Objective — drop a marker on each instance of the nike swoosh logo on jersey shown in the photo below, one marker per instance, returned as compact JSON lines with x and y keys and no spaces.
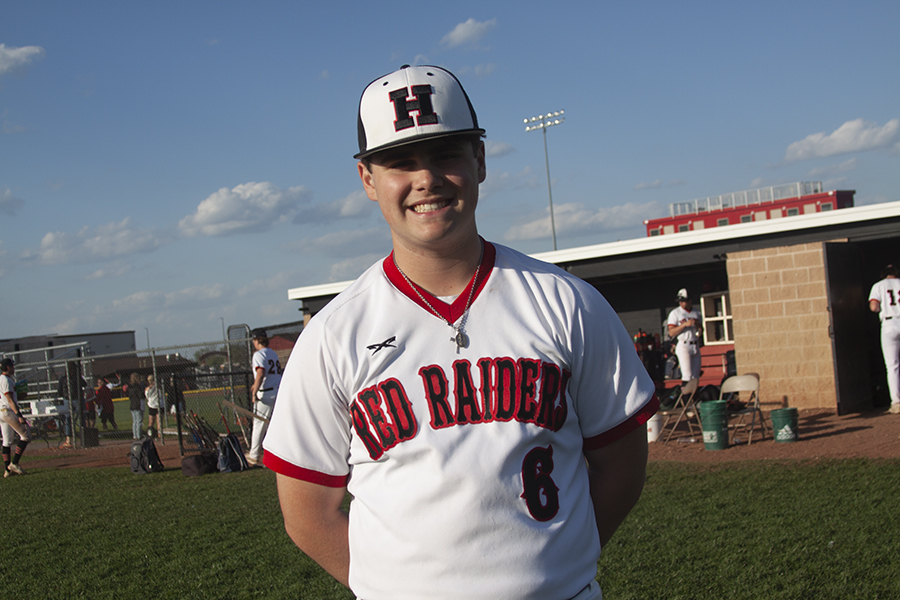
{"x":388,"y":343}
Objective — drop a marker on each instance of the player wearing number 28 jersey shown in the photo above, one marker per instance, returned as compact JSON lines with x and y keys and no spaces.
{"x":489,"y":423}
{"x":266,"y":381}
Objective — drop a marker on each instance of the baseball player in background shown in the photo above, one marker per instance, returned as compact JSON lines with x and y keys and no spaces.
{"x":267,"y":379}
{"x":685,"y":324}
{"x":485,"y":410}
{"x":11,"y":419}
{"x":884,"y":299}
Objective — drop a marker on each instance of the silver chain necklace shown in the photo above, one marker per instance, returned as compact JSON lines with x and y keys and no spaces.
{"x":460,"y":337}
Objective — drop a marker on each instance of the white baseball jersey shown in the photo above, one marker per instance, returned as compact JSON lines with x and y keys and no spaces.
{"x":679,"y":316}
{"x":7,"y":386}
{"x":266,"y":359}
{"x":887,"y":292}
{"x":466,"y":465}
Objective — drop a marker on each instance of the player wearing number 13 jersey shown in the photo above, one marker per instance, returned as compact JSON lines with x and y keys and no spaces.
{"x":485,"y":410}
{"x":884,"y":299}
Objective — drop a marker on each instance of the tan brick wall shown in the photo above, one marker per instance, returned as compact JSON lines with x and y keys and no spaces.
{"x":780,"y":310}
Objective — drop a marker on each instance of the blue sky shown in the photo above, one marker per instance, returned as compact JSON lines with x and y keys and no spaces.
{"x":165,"y":165}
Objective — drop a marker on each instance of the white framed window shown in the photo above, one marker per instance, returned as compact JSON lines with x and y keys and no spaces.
{"x":715,"y":308}
{"x":722,"y":222}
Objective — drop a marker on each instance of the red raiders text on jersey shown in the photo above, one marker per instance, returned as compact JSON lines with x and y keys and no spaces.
{"x":499,"y":389}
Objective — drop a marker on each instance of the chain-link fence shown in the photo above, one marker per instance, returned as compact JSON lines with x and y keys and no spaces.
{"x":189,"y":395}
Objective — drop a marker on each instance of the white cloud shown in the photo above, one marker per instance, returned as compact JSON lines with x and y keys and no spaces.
{"x":852,"y":136}
{"x":499,"y":181}
{"x":104,"y":242}
{"x":111,"y":271}
{"x":354,"y":205}
{"x":574,"y":219}
{"x":9,"y":204}
{"x":497,"y":149}
{"x":353,"y":267}
{"x":346,"y":244}
{"x":249,"y":207}
{"x":831,"y":170}
{"x":9,"y":127}
{"x":484,"y":70}
{"x":659,"y":183}
{"x":153,"y":300}
{"x":469,"y":32}
{"x":11,"y":58}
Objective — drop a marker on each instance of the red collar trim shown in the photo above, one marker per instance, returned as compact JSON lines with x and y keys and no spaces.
{"x":450,"y":312}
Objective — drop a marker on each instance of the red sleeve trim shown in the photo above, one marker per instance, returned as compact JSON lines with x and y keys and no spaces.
{"x":291,"y":470}
{"x":619,"y":431}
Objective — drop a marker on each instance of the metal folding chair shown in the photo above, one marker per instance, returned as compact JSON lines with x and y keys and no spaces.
{"x":748,"y":383}
{"x":684,"y":410}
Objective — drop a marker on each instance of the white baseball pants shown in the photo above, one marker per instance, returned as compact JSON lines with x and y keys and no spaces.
{"x":890,"y":346}
{"x":9,"y":423}
{"x":259,"y":429}
{"x":688,"y":360}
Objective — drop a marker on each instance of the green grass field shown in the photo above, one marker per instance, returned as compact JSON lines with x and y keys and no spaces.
{"x":823,"y":530}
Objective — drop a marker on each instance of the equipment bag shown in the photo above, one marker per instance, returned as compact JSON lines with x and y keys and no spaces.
{"x":231,"y":457}
{"x":144,"y":458}
{"x":199,"y":464}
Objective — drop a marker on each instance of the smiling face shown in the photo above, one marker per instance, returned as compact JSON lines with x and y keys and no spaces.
{"x":428,"y":192}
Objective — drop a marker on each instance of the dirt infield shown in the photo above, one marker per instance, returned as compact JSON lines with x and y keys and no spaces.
{"x":823,"y":434}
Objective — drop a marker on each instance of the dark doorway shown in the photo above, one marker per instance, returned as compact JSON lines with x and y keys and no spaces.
{"x":847,"y":293}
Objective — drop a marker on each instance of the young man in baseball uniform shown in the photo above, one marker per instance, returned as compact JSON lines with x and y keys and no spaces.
{"x":485,"y":410}
{"x":685,"y":324}
{"x":884,"y":299}
{"x":267,"y":379}
{"x":11,"y":419}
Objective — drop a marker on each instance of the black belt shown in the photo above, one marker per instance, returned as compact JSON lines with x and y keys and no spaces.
{"x":694,"y":343}
{"x":888,"y":318}
{"x":267,"y":389}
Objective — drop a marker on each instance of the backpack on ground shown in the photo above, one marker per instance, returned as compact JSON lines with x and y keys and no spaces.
{"x":144,"y":458}
{"x":231,"y":457}
{"x":200,"y":464}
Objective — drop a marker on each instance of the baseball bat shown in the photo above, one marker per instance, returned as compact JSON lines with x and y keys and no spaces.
{"x":246,"y":412}
{"x":224,"y":420}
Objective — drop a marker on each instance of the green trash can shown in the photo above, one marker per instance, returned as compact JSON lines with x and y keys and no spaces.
{"x":714,"y":418}
{"x":784,"y":424}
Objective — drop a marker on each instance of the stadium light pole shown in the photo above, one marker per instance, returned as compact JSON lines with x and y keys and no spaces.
{"x":147,"y":329}
{"x":542,"y":122}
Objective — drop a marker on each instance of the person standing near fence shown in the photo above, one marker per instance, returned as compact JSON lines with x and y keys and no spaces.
{"x":90,"y":406}
{"x":884,"y":299}
{"x":11,"y":419}
{"x":267,"y":380}
{"x":136,"y":398}
{"x":105,"y":402}
{"x":153,"y":406}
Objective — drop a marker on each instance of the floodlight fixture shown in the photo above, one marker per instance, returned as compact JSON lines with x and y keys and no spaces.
{"x":542,"y":122}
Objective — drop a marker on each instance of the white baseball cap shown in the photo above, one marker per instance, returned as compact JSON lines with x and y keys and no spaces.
{"x":682,"y":294}
{"x":410,"y":105}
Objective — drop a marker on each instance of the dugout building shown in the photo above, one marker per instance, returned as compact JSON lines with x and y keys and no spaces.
{"x":788,"y":296}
